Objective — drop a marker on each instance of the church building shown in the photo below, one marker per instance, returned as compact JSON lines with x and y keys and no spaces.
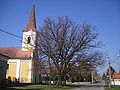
{"x":23,"y":62}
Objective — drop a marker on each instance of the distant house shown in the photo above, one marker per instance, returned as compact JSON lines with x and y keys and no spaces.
{"x":97,"y":78}
{"x":3,"y":67}
{"x":115,"y":79}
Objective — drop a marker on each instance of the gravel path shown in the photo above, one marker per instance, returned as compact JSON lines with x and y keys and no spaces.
{"x":90,"y":87}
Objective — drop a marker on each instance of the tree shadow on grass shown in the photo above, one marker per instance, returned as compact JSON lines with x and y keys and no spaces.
{"x":11,"y":86}
{"x":17,"y":86}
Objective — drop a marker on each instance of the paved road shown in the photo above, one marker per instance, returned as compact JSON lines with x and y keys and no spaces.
{"x":90,"y":87}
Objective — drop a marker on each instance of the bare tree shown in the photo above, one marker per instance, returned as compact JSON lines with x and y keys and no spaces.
{"x":85,"y":66}
{"x":66,"y":43}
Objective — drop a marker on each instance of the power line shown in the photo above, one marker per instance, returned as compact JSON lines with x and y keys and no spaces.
{"x":10,"y":34}
{"x":13,"y":35}
{"x":114,"y":60}
{"x":117,"y":63}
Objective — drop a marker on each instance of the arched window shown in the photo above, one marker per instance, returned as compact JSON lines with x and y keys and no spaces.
{"x":29,"y":40}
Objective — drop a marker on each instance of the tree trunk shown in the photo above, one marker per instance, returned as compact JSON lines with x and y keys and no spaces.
{"x":64,"y":82}
{"x":59,"y":83}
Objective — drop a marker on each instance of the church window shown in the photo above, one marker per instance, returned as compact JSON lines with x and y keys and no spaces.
{"x":29,"y":40}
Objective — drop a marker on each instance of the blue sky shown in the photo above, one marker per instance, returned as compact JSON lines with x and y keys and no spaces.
{"x":104,"y":14}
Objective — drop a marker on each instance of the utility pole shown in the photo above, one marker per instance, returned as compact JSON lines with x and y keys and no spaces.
{"x":109,"y":75}
{"x":92,"y":77}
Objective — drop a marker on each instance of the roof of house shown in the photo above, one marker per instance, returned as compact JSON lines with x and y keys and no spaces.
{"x":15,"y":52}
{"x":4,"y":57}
{"x":32,"y":21}
{"x":116,"y":75}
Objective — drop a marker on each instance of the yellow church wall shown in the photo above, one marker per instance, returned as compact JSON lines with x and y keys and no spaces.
{"x":19,"y":70}
{"x":24,"y":71}
{"x":11,"y":72}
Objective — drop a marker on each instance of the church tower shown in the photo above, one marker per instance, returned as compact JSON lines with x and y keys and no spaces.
{"x":29,"y":33}
{"x":23,"y":62}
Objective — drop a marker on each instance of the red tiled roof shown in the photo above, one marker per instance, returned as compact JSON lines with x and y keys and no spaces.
{"x":116,"y":75}
{"x":32,"y":22}
{"x":15,"y":52}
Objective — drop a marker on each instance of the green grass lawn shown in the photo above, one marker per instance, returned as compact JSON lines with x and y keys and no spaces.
{"x":113,"y":88}
{"x":42,"y":87}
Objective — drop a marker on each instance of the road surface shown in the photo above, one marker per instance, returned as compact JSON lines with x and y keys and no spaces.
{"x":90,"y":87}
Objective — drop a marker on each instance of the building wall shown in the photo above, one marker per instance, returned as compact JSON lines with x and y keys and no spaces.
{"x":115,"y":81}
{"x":3,"y":67}
{"x":11,"y":72}
{"x":25,"y":76}
{"x":20,"y":70}
{"x":13,"y":69}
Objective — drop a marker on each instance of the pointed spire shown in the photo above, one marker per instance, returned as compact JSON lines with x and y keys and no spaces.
{"x":32,"y":22}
